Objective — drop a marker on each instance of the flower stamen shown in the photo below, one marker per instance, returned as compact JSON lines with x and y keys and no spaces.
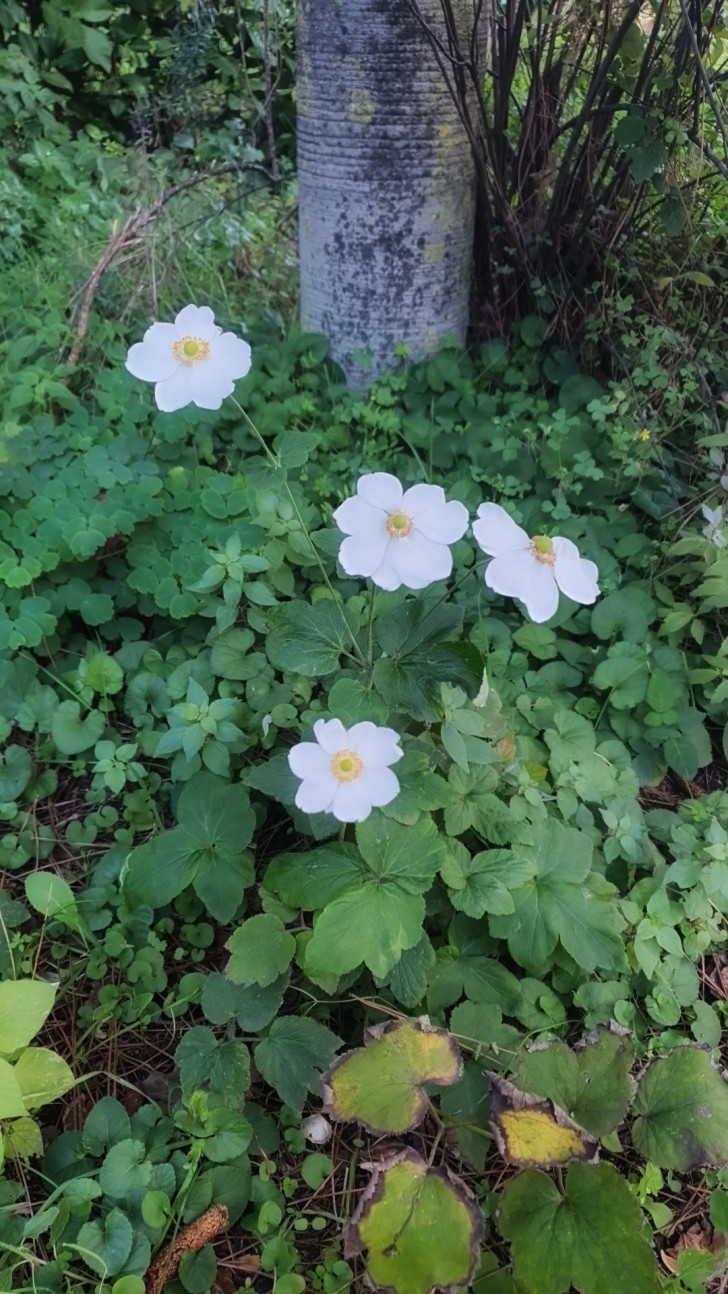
{"x":542,"y":549}
{"x":188,"y":350}
{"x":399,"y":525}
{"x":346,"y":766}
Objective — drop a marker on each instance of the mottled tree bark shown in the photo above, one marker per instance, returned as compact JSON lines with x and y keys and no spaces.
{"x":386,"y":182}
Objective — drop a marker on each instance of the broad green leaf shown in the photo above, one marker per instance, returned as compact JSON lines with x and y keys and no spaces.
{"x":223,"y":1063}
{"x":563,"y":901}
{"x":409,"y":978}
{"x":24,"y":1006}
{"x":206,"y":849}
{"x":16,"y":768}
{"x":197,"y":1270}
{"x":261,"y":949}
{"x":382,"y":1083}
{"x":592,"y":1083}
{"x":12,"y":1105}
{"x":410,"y":856}
{"x":309,"y":639}
{"x":352,"y":702}
{"x":293,"y":1055}
{"x":106,"y":1245}
{"x":106,"y":1123}
{"x":465,"y":1108}
{"x":590,"y":1237}
{"x":373,"y":924}
{"x":483,"y":882}
{"x":532,"y":1130}
{"x":23,"y":1138}
{"x":43,"y":1076}
{"x":125,"y":1169}
{"x":682,"y":1111}
{"x":311,"y":880}
{"x":463,"y":967}
{"x":252,"y":1006}
{"x":53,"y":897}
{"x":625,"y":673}
{"x":421,"y":1227}
{"x":71,"y":733}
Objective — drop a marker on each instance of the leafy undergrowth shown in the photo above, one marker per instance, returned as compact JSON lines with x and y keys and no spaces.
{"x":173,"y":622}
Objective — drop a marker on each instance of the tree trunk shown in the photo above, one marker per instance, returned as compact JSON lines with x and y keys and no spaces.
{"x":386,"y":182}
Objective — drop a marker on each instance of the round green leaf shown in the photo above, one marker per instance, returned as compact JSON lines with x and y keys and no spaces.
{"x":71,"y":733}
{"x":261,"y":949}
{"x":24,"y":1006}
{"x":43,"y":1076}
{"x":682,"y":1111}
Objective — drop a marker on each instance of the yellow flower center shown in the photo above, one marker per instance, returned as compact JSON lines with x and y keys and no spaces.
{"x":543,"y":550}
{"x":346,"y":766}
{"x":399,"y":525}
{"x":188,"y":350}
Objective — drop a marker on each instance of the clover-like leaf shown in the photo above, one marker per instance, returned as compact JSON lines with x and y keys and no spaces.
{"x":592,"y":1084}
{"x":682,"y":1111}
{"x":532,"y":1130}
{"x":382,"y":1083}
{"x":421,"y":1227}
{"x":588,"y":1237}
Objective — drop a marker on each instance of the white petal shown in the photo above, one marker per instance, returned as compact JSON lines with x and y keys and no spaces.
{"x":175,"y":392}
{"x":307,"y":759}
{"x":351,"y":802}
{"x":519,"y":575}
{"x":418,"y":561}
{"x":386,"y":576}
{"x":380,"y":489}
{"x":234,"y":353}
{"x":317,"y":794}
{"x":576,"y":576}
{"x":362,"y":554}
{"x":153,"y":361}
{"x":196,"y":321}
{"x":380,"y":785}
{"x":377,"y":747}
{"x":445,"y":524}
{"x":210,"y":382}
{"x":496,"y":532}
{"x":420,"y":498}
{"x":331,"y":735}
{"x":354,"y":516}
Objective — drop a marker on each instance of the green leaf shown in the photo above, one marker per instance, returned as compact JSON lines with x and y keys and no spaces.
{"x":293,"y":1056}
{"x":230,"y":654}
{"x":309,"y":639}
{"x":372,"y":924}
{"x":625,"y":672}
{"x":106,"y":1245}
{"x":351,"y":702}
{"x":12,"y":1105}
{"x":682,"y":1111}
{"x":589,"y":1237}
{"x":313,"y":879}
{"x":106,"y":1123}
{"x":223,"y":1063}
{"x":593,"y":1083}
{"x":479,"y":1026}
{"x":16,"y":768}
{"x":483,"y":883}
{"x":563,"y":901}
{"x":125,"y":1169}
{"x":197,"y":1271}
{"x":421,"y":1227}
{"x":408,"y":980}
{"x":24,"y":1007}
{"x":71,"y":733}
{"x":625,"y":613}
{"x":43,"y":1076}
{"x":261,"y":949}
{"x":252,"y":1006}
{"x":206,"y":849}
{"x":382,"y":1084}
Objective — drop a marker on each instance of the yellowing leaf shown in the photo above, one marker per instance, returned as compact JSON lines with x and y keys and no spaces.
{"x":421,"y":1227}
{"x":381,"y":1083}
{"x":532,"y":1131}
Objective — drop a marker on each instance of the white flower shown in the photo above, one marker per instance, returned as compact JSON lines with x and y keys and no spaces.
{"x":399,"y":536}
{"x":192,"y":361}
{"x":346,"y":771}
{"x":532,"y":569}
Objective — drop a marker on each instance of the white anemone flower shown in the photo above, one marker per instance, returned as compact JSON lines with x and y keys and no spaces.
{"x":191,"y":361}
{"x":532,"y":569}
{"x":399,"y":536}
{"x":346,"y":770}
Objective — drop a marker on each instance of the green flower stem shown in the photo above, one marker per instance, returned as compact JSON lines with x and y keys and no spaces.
{"x":276,"y":464}
{"x":369,"y":664}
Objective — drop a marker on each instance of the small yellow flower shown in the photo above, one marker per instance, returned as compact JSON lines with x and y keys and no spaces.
{"x":645,"y":434}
